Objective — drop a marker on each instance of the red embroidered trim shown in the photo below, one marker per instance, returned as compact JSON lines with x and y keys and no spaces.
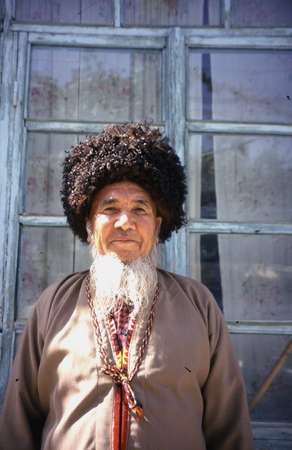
{"x":117,"y":418}
{"x":120,"y":320}
{"x":121,"y":416}
{"x":124,"y":424}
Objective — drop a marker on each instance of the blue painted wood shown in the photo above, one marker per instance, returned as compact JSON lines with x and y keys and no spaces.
{"x":117,"y":9}
{"x":214,"y":226}
{"x":43,"y":221}
{"x":6,"y":131}
{"x":146,"y":31}
{"x":272,"y":435}
{"x":260,"y":327}
{"x":248,"y":42}
{"x":72,"y":127}
{"x":201,"y":126}
{"x":226,"y":13}
{"x":175,"y":249}
{"x":9,"y":110}
{"x":275,"y":444}
{"x":105,"y":41}
{"x":12,"y":140}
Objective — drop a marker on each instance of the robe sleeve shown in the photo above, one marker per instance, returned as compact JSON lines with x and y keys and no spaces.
{"x":22,"y":417}
{"x":226,"y":419}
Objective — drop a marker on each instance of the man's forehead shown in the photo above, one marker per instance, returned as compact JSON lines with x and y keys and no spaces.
{"x":124,"y":190}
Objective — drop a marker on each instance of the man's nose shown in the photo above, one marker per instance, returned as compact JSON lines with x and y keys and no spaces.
{"x":125,"y":221}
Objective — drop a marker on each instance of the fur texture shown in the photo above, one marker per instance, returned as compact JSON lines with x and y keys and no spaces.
{"x":132,"y":152}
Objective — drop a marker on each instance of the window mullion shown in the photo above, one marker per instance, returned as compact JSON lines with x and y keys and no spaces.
{"x":103,"y":41}
{"x":278,"y":327}
{"x":71,"y":127}
{"x":175,"y":250}
{"x":216,"y":226}
{"x":208,"y":126}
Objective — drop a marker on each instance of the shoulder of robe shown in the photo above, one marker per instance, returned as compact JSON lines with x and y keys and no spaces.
{"x":186,"y":288}
{"x":57,"y":293}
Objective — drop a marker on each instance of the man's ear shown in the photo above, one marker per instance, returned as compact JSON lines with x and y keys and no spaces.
{"x":158,"y":226}
{"x":89,"y":232}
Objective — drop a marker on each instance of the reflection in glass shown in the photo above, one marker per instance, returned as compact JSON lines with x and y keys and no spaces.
{"x":258,"y":13}
{"x":83,"y":256}
{"x":257,"y":355}
{"x":246,"y":86}
{"x":43,"y":171}
{"x":171,"y":13}
{"x":46,"y":256}
{"x":95,"y":84}
{"x":254,"y":274}
{"x":99,"y":12}
{"x":246,"y":178}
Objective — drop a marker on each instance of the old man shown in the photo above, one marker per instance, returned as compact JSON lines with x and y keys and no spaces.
{"x":125,"y":356}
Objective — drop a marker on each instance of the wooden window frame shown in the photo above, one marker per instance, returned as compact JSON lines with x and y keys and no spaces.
{"x":16,"y":41}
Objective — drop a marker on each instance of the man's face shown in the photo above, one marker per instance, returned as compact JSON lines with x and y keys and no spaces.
{"x":123,"y":221}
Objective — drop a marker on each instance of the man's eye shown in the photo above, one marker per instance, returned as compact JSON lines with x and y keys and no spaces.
{"x":110,"y":210}
{"x":140,"y":211}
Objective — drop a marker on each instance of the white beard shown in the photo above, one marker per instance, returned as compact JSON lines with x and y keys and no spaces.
{"x":115,"y":282}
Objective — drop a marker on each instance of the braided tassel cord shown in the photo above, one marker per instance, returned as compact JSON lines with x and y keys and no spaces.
{"x":120,"y":376}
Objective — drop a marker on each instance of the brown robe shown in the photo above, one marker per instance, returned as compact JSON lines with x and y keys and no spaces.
{"x":189,"y":382}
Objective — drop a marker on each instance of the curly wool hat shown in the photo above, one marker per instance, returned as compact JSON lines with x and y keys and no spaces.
{"x":131,"y":152}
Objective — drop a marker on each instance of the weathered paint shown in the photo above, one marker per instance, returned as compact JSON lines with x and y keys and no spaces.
{"x":117,"y":9}
{"x":6,"y":126}
{"x":260,"y":38}
{"x":260,"y":327}
{"x":14,"y":165}
{"x":8,"y":114}
{"x":72,"y":127}
{"x":43,"y":221}
{"x":226,"y":13}
{"x":175,"y":250}
{"x":273,"y":431}
{"x":155,"y":31}
{"x":200,"y":126}
{"x":27,"y":81}
{"x":113,"y":41}
{"x":214,"y":226}
{"x":246,"y":42}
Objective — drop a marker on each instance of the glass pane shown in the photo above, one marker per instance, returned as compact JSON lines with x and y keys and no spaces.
{"x":257,"y":355}
{"x":240,"y":177}
{"x":171,"y":13}
{"x":46,"y":256}
{"x":83,"y":257}
{"x":240,"y":86}
{"x":259,"y":13}
{"x":250,"y":276}
{"x":95,"y":84}
{"x":99,"y":12}
{"x":43,"y":171}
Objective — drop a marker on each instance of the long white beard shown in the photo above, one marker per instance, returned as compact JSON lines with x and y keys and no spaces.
{"x":114,"y":281}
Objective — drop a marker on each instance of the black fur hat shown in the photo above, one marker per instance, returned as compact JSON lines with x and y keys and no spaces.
{"x":131,"y":152}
